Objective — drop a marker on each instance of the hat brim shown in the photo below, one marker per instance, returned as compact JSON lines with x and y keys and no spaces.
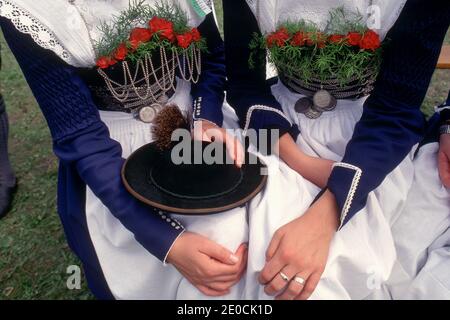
{"x":135,"y":173}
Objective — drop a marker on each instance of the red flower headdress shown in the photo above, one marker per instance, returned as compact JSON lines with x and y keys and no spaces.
{"x":149,"y":45}
{"x":345,"y":51}
{"x":340,"y":62}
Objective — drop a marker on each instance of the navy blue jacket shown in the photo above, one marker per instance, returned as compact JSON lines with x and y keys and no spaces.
{"x":392,"y":122}
{"x":87,"y":154}
{"x":247,"y":87}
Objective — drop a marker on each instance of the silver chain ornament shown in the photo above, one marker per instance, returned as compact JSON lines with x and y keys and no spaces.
{"x":144,"y":98}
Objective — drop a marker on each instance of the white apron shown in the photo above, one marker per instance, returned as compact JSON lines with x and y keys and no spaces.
{"x":422,"y":236}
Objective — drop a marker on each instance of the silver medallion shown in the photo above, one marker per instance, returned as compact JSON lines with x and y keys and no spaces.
{"x":303,"y":105}
{"x":332,"y":105}
{"x":147,"y":114}
{"x":324,"y":101}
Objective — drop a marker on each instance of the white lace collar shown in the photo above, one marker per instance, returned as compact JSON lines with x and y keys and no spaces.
{"x":68,"y":28}
{"x":270,"y":13}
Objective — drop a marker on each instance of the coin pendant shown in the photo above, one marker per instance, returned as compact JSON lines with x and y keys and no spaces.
{"x":324,"y":101}
{"x":147,"y":114}
{"x":302,"y":105}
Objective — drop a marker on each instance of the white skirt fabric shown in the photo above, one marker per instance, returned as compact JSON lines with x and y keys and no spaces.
{"x":422,"y":235}
{"x":362,"y":254}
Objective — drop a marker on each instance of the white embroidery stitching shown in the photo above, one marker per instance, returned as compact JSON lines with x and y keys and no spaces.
{"x":265,"y":108}
{"x":171,"y":246}
{"x":26,"y":23}
{"x":352,"y":191}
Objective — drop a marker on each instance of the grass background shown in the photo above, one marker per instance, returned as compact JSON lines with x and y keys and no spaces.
{"x":33,"y":253}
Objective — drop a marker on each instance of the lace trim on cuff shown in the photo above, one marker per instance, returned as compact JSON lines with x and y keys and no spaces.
{"x":168,"y":251}
{"x":264,"y":108}
{"x":174,"y":224}
{"x":26,"y":23}
{"x":354,"y":186}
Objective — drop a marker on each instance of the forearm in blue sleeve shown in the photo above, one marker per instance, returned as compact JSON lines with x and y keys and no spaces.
{"x":392,"y":122}
{"x":209,"y":92}
{"x":82,"y":139}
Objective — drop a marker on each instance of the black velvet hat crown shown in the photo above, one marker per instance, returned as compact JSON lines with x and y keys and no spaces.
{"x":192,"y":187}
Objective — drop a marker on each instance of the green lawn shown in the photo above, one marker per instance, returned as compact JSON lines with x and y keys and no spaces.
{"x":33,"y":252}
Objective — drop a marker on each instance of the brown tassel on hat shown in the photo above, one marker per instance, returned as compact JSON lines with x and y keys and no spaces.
{"x":169,"y":119}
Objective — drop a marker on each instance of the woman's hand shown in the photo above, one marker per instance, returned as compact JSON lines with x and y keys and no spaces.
{"x":208,"y":131}
{"x":444,"y":159}
{"x":300,"y":249}
{"x":211,"y":268}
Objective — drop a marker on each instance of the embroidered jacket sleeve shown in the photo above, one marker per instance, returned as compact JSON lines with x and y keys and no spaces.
{"x":82,"y":140}
{"x":208,"y":93}
{"x":248,"y":92}
{"x":392,"y":122}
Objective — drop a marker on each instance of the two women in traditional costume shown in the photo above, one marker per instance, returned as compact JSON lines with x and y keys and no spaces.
{"x":338,"y":181}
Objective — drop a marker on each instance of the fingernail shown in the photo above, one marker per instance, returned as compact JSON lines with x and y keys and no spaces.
{"x":234,"y":258}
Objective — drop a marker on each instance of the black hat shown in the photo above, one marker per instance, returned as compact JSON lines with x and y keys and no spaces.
{"x":151,"y":176}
